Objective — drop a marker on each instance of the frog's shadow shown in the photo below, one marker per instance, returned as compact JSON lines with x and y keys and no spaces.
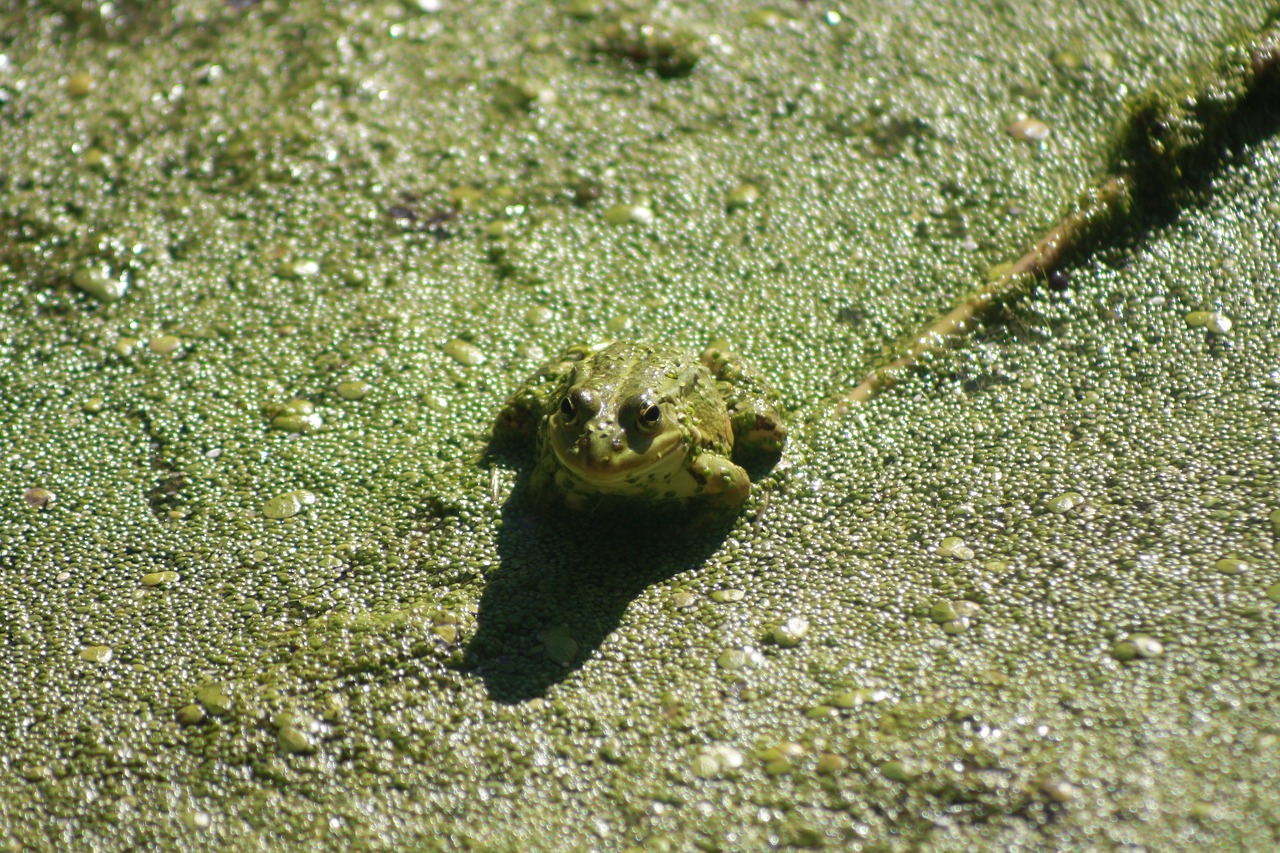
{"x":563,"y":584}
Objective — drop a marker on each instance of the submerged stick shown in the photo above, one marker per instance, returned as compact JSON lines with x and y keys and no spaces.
{"x":1168,"y":137}
{"x":1014,"y":282}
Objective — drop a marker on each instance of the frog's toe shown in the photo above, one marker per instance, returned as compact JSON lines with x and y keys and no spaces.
{"x":716,"y":475}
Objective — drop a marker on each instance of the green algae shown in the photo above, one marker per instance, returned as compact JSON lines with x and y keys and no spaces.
{"x":424,"y":663}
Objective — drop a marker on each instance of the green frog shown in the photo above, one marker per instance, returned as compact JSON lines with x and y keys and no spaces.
{"x":624,"y":424}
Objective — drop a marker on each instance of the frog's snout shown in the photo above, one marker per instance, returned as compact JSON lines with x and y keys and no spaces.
{"x":600,"y":440}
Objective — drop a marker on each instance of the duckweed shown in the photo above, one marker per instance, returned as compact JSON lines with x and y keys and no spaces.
{"x":354,"y":389}
{"x":791,"y":632}
{"x":214,"y":699}
{"x":165,"y":344}
{"x":1029,"y":130}
{"x":625,"y":214}
{"x":80,"y":85}
{"x":683,"y":598}
{"x":295,"y":741}
{"x":954,"y":546}
{"x":739,"y":658}
{"x":1060,"y":790}
{"x":1065,"y":502}
{"x":1137,"y":646}
{"x":1218,"y":323}
{"x":98,"y":282}
{"x":39,"y":498}
{"x":559,"y":645}
{"x":288,"y":505}
{"x":898,"y":771}
{"x":1231,"y":566}
{"x":465,"y":352}
{"x":743,"y":195}
{"x":96,"y":654}
{"x":191,"y":715}
{"x":278,"y":199}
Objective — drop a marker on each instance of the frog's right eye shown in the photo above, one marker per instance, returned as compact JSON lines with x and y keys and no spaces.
{"x":569,"y":407}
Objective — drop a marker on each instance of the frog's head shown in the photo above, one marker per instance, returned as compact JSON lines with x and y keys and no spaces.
{"x":615,"y":436}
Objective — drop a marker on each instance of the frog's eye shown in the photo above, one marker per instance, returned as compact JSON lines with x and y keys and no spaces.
{"x":569,"y":407}
{"x":649,"y":417}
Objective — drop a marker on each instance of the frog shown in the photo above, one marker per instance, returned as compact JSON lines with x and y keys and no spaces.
{"x":625,"y":425}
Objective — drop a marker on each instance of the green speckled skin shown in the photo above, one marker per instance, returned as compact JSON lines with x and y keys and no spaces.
{"x":624,"y":424}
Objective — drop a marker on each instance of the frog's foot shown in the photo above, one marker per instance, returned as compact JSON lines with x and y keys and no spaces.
{"x":718,"y":479}
{"x":544,"y":496}
{"x":724,"y":365}
{"x":757,"y":431}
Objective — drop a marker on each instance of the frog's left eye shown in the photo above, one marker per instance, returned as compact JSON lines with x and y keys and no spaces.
{"x":649,"y":417}
{"x":569,"y":407}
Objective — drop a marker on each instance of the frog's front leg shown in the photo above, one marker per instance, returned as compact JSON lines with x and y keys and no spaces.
{"x":720,"y":480}
{"x":524,"y":411}
{"x":752,"y":403}
{"x":552,"y":489}
{"x":546,"y":494}
{"x":516,"y":423}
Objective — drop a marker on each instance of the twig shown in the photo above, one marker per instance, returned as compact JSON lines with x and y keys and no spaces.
{"x":1167,"y":137}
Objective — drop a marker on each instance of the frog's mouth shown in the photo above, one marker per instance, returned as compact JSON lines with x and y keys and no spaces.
{"x":617,"y":461}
